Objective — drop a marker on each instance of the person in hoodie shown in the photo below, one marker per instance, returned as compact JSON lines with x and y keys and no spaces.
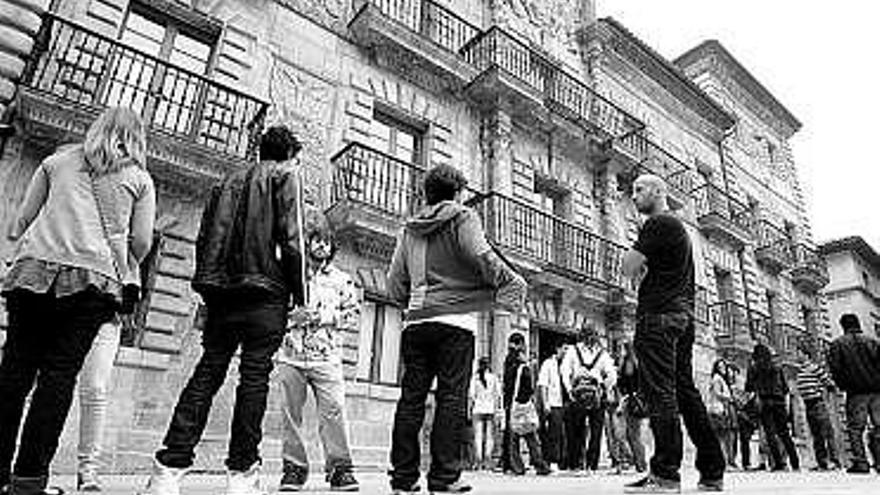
{"x":444,"y":273}
{"x":854,"y":363}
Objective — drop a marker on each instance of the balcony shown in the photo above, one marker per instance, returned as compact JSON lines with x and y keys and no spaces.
{"x":785,"y":340}
{"x":809,"y":272}
{"x":774,"y":250}
{"x":372,"y":194}
{"x":736,"y":327}
{"x":199,"y":129}
{"x":722,"y":217}
{"x":550,"y":247}
{"x":533,"y":86}
{"x":420,"y":39}
{"x":648,"y":157}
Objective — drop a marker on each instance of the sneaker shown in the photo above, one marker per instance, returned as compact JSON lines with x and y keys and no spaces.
{"x":457,"y":487}
{"x":244,"y":482}
{"x":653,"y":484}
{"x":87,"y":481}
{"x":706,"y":485}
{"x":164,"y":480}
{"x":414,"y":488}
{"x":294,"y":477}
{"x":858,"y":469}
{"x":341,"y":480}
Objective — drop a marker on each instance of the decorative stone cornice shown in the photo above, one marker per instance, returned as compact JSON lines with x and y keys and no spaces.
{"x":711,"y":56}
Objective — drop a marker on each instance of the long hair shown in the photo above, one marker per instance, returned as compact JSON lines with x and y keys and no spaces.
{"x":115,"y":140}
{"x":720,"y":369}
{"x":482,"y":368}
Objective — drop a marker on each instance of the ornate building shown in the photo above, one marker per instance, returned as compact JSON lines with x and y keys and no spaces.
{"x":549,"y":111}
{"x":854,"y":286}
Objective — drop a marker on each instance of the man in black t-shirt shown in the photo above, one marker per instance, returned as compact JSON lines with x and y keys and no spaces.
{"x":663,"y":343}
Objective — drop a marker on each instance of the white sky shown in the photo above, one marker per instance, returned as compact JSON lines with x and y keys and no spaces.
{"x":820,"y":59}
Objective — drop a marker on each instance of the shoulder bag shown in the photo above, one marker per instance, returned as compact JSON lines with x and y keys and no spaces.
{"x":523,"y":416}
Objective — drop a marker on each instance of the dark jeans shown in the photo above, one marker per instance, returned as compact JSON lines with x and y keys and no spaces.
{"x":774,"y":419}
{"x":432,"y":350}
{"x":858,"y":408}
{"x":664,"y":346}
{"x":47,"y":341}
{"x":823,"y":434}
{"x":745,"y":431}
{"x":553,"y":438}
{"x":514,"y":460}
{"x":258,"y":327}
{"x":576,"y":425}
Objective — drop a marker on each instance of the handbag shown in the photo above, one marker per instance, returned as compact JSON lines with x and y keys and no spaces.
{"x":523,"y":416}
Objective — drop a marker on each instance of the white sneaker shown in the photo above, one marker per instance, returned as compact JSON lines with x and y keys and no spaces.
{"x":164,"y":480}
{"x":554,"y":468}
{"x":244,"y":482}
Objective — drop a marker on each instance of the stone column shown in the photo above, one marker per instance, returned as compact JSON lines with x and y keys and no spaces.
{"x":19,"y":23}
{"x":495,"y":146}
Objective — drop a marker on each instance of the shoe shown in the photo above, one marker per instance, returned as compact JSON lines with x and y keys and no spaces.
{"x":653,"y":484}
{"x":34,"y":485}
{"x":706,"y":485}
{"x":858,"y":469}
{"x":543,"y":471}
{"x":87,"y":481}
{"x":414,"y":488}
{"x":818,"y":469}
{"x":457,"y":487}
{"x":164,"y":480}
{"x":294,"y":477}
{"x":341,"y":480}
{"x":244,"y":482}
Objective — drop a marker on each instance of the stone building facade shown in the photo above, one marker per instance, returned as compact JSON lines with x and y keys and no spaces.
{"x":550,"y":112}
{"x":854,"y":286}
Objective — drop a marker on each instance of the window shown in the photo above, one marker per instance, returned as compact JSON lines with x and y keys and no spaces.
{"x":397,"y":138}
{"x":390,"y":180}
{"x":379,"y":357}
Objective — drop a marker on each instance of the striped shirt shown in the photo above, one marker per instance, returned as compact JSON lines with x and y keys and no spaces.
{"x":811,"y":379}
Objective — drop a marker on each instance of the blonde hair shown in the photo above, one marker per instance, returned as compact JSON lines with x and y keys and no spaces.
{"x":115,"y":140}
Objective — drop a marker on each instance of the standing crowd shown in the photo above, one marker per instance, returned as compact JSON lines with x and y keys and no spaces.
{"x":265,"y":271}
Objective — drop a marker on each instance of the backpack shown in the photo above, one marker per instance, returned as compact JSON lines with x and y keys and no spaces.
{"x":586,"y":391}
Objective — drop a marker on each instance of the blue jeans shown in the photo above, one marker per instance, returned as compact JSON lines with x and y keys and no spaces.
{"x":664,"y":347}
{"x":859,"y":407}
{"x":94,"y":389}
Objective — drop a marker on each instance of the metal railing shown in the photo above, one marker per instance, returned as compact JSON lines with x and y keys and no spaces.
{"x":733,"y":320}
{"x":785,"y":339}
{"x":807,"y":257}
{"x":774,"y":242}
{"x":79,"y":66}
{"x":713,"y":200}
{"x":431,"y":20}
{"x":702,"y":313}
{"x":376,"y":180}
{"x":559,"y":90}
{"x":554,"y":242}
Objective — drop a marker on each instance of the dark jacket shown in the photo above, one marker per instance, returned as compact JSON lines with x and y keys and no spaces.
{"x":628,"y":376}
{"x":248,"y":242}
{"x":443,"y":265}
{"x":854,"y":363}
{"x":526,"y":387}
{"x":768,"y":383}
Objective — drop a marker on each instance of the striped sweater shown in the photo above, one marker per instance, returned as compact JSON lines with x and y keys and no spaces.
{"x":811,"y":379}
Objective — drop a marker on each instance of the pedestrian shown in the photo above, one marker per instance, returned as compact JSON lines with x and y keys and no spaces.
{"x":719,"y":407}
{"x":664,"y":339}
{"x":486,"y":407}
{"x":854,"y":363}
{"x":587,"y":367}
{"x":311,"y":358}
{"x":615,"y":431}
{"x":748,"y":422}
{"x":85,"y":222}
{"x":519,"y":389}
{"x":445,"y":273}
{"x":552,"y":395}
{"x":812,"y":383}
{"x":251,"y":217}
{"x":766,"y":380}
{"x":632,"y":406}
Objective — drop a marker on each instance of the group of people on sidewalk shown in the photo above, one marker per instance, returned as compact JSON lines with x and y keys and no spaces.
{"x":273,"y":297}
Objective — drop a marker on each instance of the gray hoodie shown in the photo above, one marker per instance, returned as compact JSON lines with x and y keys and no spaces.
{"x":443,"y":265}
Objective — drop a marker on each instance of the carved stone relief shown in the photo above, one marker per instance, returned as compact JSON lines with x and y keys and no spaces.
{"x":333,"y":14}
{"x":550,"y":24}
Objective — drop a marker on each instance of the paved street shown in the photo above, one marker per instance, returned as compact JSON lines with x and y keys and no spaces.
{"x":804,"y":483}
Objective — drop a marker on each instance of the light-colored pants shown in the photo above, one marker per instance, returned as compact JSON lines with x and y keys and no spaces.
{"x":484,"y":439}
{"x":329,"y":388}
{"x":94,"y":389}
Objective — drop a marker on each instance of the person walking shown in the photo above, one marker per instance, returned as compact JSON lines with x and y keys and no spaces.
{"x":632,"y":406}
{"x":664,"y":339}
{"x":311,"y":358}
{"x":519,"y":388}
{"x":812,"y":382}
{"x":586,"y":365}
{"x":486,"y":407}
{"x":445,"y":273}
{"x":766,"y":380}
{"x":250,"y":218}
{"x":85,"y":222}
{"x":552,"y":395}
{"x":854,"y":363}
{"x":719,"y":408}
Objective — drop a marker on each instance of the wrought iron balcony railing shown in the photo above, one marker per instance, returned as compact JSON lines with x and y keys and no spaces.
{"x":79,"y":66}
{"x":717,"y":211}
{"x":554,"y":243}
{"x":431,"y":20}
{"x":560,"y":91}
{"x":774,"y":248}
{"x":809,"y":272}
{"x":702,"y":313}
{"x":785,"y":338}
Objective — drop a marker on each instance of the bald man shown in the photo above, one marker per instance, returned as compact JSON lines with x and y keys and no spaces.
{"x":663,"y":343}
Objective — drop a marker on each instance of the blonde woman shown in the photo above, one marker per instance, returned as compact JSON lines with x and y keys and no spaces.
{"x":65,"y":282}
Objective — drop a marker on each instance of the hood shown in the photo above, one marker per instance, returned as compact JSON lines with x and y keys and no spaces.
{"x":434,"y":217}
